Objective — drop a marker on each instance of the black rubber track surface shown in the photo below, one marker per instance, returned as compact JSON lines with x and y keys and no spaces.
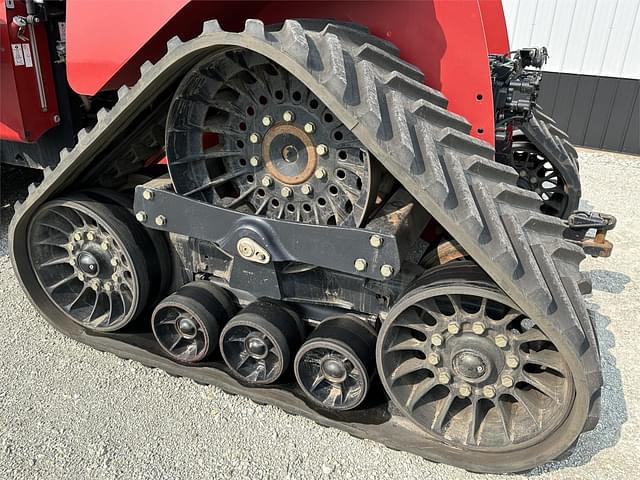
{"x":407,"y":127}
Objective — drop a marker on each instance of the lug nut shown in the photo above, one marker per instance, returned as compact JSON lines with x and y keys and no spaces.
{"x":376,"y":241}
{"x":321,"y":173}
{"x":91,"y":236}
{"x":104,"y":246}
{"x":115,"y":277}
{"x":386,"y":271}
{"x":306,"y":189}
{"x":141,"y":217}
{"x":267,"y":120}
{"x":507,"y":381}
{"x":501,"y":341}
{"x":453,"y":328}
{"x":254,"y":161}
{"x":80,"y":276}
{"x":309,"y":127}
{"x":512,"y":361}
{"x":95,"y":285}
{"x":147,"y":195}
{"x":444,"y":377}
{"x":322,"y":149}
{"x":72,"y":261}
{"x":254,"y":138}
{"x":360,"y":264}
{"x":436,"y":339}
{"x":161,"y":220}
{"x":113,"y":262}
{"x":286,"y":192}
{"x":433,"y":359}
{"x":288,"y":116}
{"x":478,"y":328}
{"x":489,"y":391}
{"x":107,"y":286}
{"x":267,"y":181}
{"x":70,"y":247}
{"x":464,"y":391}
{"x":77,"y":236}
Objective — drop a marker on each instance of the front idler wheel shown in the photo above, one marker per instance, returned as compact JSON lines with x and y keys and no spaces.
{"x":187,"y":323}
{"x":335,"y":365}
{"x":87,"y":260}
{"x":257,"y":344}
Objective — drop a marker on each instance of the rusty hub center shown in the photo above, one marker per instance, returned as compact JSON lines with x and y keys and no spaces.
{"x":289,"y":154}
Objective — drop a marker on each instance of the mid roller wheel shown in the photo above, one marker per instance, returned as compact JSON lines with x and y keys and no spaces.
{"x":460,"y":360}
{"x":187,"y":323}
{"x":257,"y":344}
{"x":335,"y":365}
{"x":86,"y":258}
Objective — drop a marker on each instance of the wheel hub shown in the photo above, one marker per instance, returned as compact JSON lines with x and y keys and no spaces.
{"x":186,"y":327}
{"x":334,"y":370}
{"x":289,"y":154}
{"x":256,"y":347}
{"x":88,"y":263}
{"x":470,"y":365}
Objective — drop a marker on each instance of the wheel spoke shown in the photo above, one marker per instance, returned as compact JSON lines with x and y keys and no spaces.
{"x":419,"y":391}
{"x":408,"y":366}
{"x":408,"y":344}
{"x":58,"y":284}
{"x":442,"y":410}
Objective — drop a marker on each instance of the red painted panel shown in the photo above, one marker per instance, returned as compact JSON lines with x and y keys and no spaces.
{"x":495,"y":26}
{"x":445,"y":38}
{"x":21,"y":117}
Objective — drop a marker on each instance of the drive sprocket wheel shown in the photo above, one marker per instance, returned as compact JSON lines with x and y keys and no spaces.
{"x":460,"y":360}
{"x":558,"y":185}
{"x":90,"y":262}
{"x":243,"y":133}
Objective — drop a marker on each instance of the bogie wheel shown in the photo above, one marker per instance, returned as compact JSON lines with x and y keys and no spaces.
{"x":187,"y":323}
{"x":557,"y":184}
{"x":87,"y":259}
{"x":460,"y":360}
{"x":243,"y":133}
{"x":335,"y":365}
{"x":258,"y":343}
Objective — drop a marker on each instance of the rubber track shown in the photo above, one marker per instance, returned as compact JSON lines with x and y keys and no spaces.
{"x":406,"y":126}
{"x":542,"y":131}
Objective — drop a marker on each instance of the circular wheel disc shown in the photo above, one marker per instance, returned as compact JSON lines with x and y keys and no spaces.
{"x":88,"y":263}
{"x":464,"y":364}
{"x":245,"y":134}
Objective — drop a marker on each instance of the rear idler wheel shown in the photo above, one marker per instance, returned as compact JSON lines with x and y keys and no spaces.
{"x":243,"y":133}
{"x":335,"y":365}
{"x":87,"y":259}
{"x":258,"y":343}
{"x":460,"y":360}
{"x":187,"y":323}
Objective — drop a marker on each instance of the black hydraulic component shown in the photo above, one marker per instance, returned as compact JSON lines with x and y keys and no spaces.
{"x":467,"y":366}
{"x":260,"y":240}
{"x":335,"y":365}
{"x":581,"y":222}
{"x":187,"y":323}
{"x":92,"y":260}
{"x":258,"y":344}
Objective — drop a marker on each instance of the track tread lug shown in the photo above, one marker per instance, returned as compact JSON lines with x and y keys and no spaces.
{"x":382,"y":58}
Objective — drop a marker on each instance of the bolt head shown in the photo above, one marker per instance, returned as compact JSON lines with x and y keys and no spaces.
{"x":453,"y":328}
{"x":321,"y":173}
{"x":288,"y":116}
{"x":436,"y":339}
{"x":115,"y":277}
{"x":309,"y":127}
{"x":464,"y":391}
{"x":360,"y":264}
{"x":376,"y":241}
{"x":386,"y":271}
{"x":433,"y":358}
{"x":444,"y":377}
{"x":254,"y":138}
{"x":141,"y":217}
{"x":322,"y":149}
{"x":489,"y":391}
{"x":95,"y":285}
{"x":267,"y":120}
{"x":91,"y":236}
{"x":478,"y":328}
{"x":108,"y":286}
{"x":266,"y":181}
{"x":501,"y":341}
{"x":512,"y":361}
{"x":245,"y":248}
{"x":114,"y":262}
{"x":507,"y":381}
{"x":104,"y":246}
{"x":80,"y":276}
{"x":77,"y":236}
{"x":261,"y":256}
{"x":306,"y":189}
{"x":254,"y":161}
{"x":70,"y":247}
{"x":161,"y":220}
{"x":286,"y":192}
{"x":147,"y":195}
{"x":72,"y":261}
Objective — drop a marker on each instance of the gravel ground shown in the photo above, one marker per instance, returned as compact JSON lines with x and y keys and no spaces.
{"x":67,"y":411}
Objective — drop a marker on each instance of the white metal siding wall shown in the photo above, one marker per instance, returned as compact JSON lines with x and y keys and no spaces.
{"x":588,"y":37}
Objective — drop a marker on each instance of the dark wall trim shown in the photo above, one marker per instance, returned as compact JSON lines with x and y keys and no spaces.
{"x":597,"y":112}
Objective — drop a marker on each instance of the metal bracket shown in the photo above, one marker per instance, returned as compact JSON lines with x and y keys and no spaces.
{"x":332,"y":247}
{"x":580,"y":222}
